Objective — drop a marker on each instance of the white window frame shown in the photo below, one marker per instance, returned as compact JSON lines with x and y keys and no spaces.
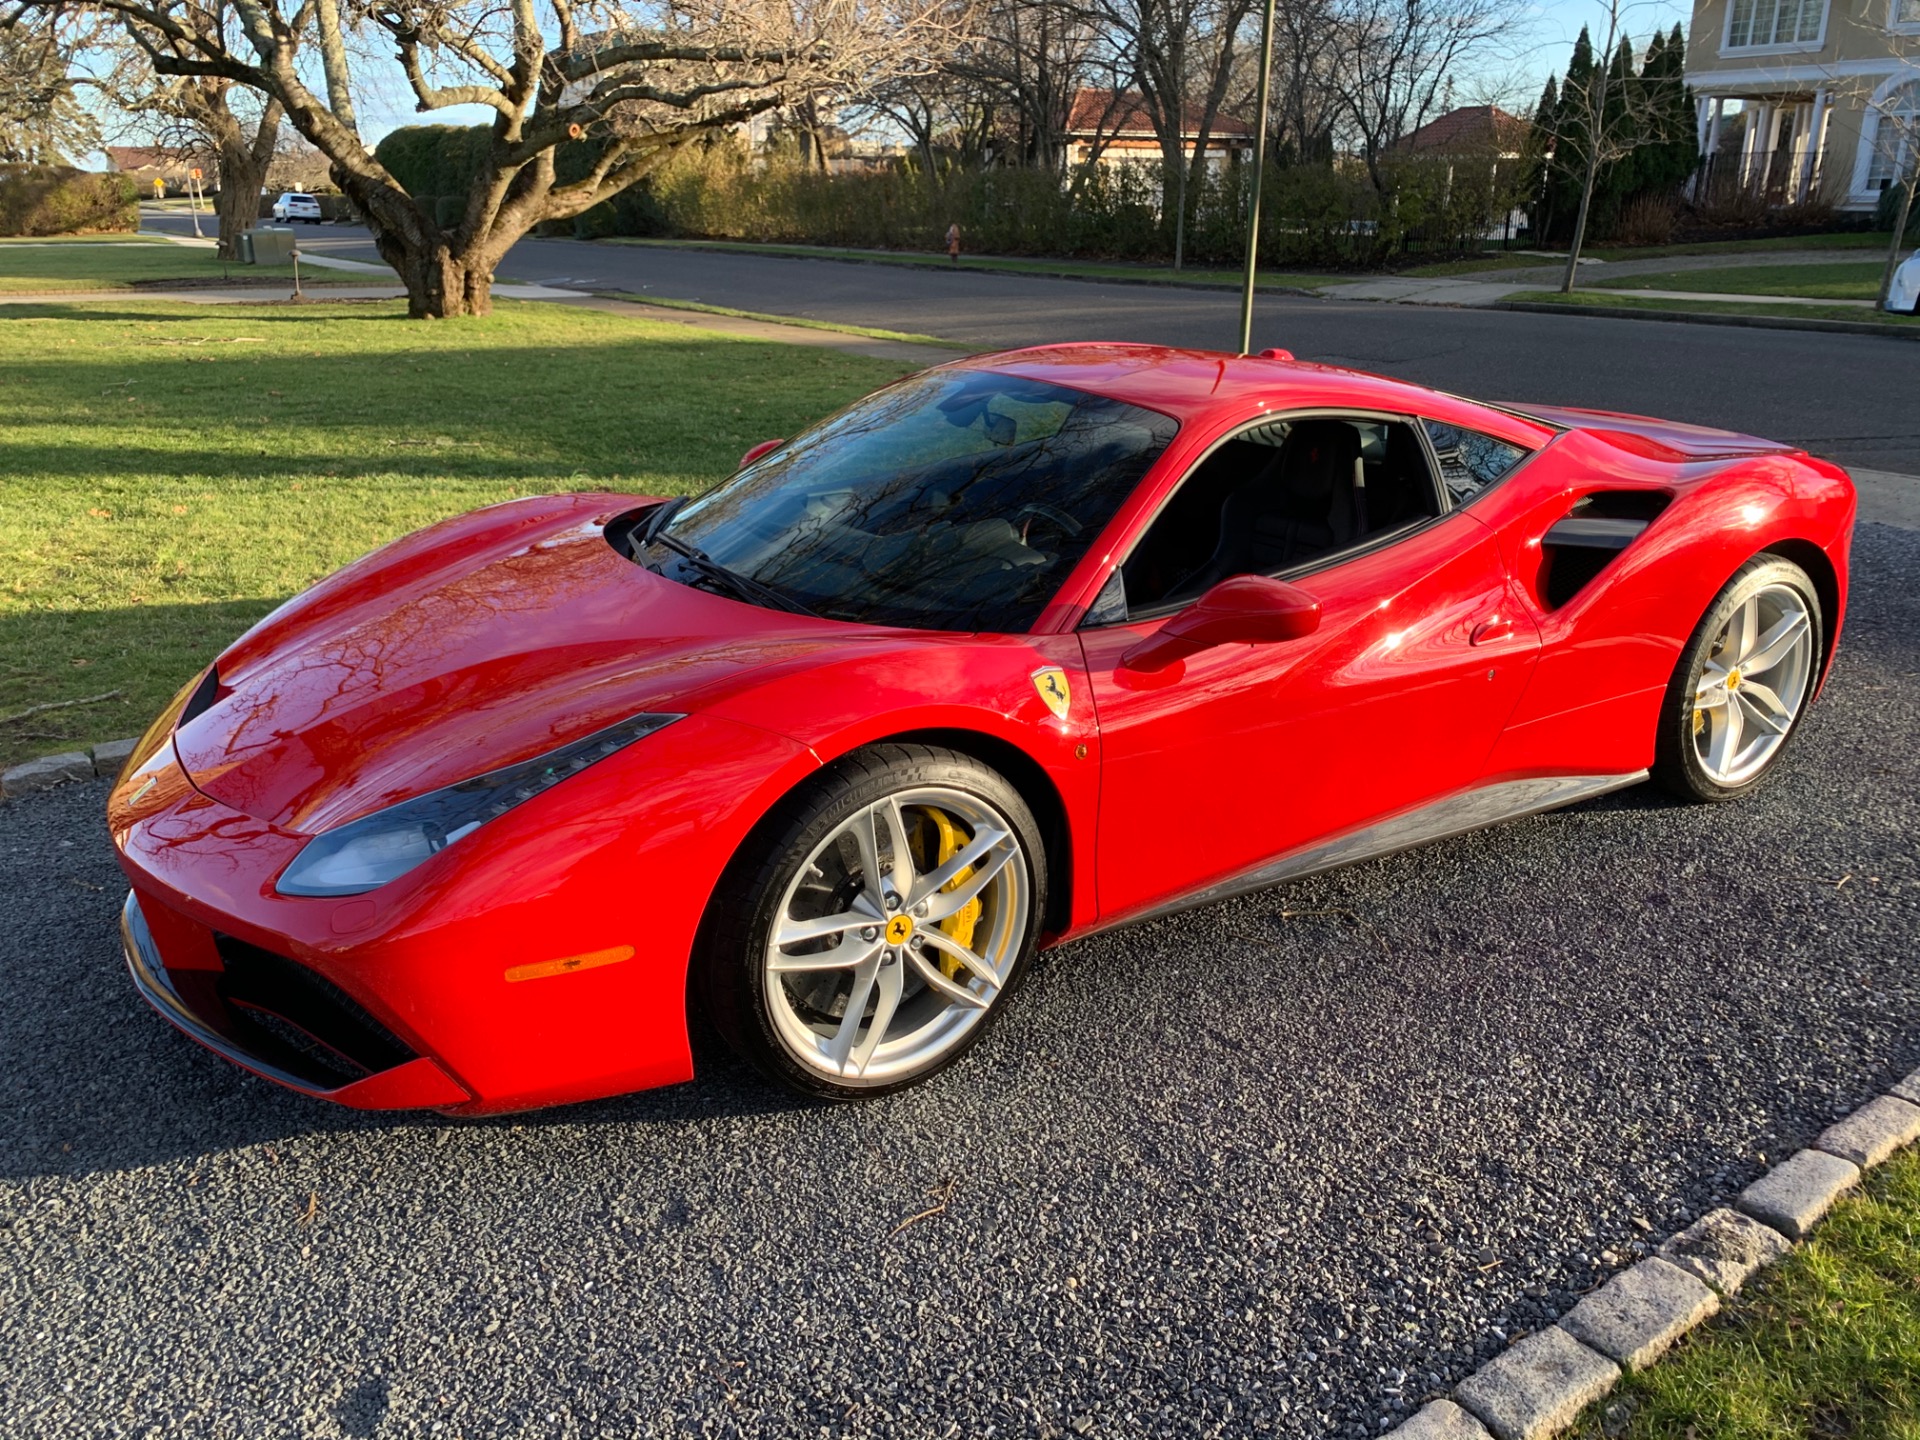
{"x":1795,"y":47}
{"x":1870,"y":134}
{"x":1896,"y":25}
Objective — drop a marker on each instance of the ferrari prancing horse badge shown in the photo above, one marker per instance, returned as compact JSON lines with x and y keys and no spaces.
{"x":1051,"y":683}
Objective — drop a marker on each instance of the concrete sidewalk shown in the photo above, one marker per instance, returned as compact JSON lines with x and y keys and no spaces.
{"x":1887,"y":498}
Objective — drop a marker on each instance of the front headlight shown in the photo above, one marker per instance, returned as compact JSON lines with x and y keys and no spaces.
{"x":367,"y":853}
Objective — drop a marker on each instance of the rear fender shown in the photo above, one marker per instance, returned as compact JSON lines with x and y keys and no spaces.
{"x":1608,"y":651}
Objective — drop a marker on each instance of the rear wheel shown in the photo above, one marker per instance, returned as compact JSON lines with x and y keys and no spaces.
{"x":1743,"y":683}
{"x":867,"y":935}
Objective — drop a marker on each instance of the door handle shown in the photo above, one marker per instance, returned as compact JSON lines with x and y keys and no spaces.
{"x":1488,"y":631}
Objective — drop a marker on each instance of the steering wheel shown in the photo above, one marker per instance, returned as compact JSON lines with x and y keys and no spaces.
{"x":1052,"y":514}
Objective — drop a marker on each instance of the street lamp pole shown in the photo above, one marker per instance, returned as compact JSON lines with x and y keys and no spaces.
{"x":1259,"y":169}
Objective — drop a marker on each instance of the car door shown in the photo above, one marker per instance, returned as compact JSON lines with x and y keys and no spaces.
{"x":1219,"y":764}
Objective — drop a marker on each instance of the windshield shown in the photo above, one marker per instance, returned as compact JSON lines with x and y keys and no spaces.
{"x":955,"y":500}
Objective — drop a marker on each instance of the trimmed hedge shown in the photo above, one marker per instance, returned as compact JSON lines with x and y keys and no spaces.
{"x":1310,"y":214}
{"x":437,"y":165}
{"x":59,"y":200}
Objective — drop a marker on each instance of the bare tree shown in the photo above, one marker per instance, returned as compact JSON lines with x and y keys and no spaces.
{"x":1392,"y":61}
{"x":1605,"y":115}
{"x":1901,"y":127}
{"x":42,"y":119}
{"x":199,"y":115}
{"x":653,"y":75}
{"x":1305,"y":98}
{"x":1182,"y":54}
{"x":1031,"y":55}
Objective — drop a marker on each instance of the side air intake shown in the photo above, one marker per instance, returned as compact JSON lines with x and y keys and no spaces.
{"x":1596,"y":530}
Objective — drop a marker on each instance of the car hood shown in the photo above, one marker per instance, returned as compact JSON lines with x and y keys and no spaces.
{"x":475,"y":644}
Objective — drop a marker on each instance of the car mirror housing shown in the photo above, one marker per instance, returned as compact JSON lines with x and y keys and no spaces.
{"x":1243,"y":610}
{"x":765,"y":447}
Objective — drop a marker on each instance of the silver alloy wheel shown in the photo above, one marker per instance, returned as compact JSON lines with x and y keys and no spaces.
{"x":1752,"y":684}
{"x":884,"y":955}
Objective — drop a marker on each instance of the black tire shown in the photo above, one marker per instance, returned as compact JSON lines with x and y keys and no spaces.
{"x":1677,"y":764}
{"x":729,"y":980}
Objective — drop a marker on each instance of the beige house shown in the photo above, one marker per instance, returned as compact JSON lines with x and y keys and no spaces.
{"x":1803,"y":98}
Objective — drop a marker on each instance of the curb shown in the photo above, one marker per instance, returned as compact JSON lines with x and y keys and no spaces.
{"x":30,"y":776}
{"x":1686,"y":317}
{"x":1543,"y":1382}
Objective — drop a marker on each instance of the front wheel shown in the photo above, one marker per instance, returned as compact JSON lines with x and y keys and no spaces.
{"x":870,"y":930}
{"x":1743,"y":683}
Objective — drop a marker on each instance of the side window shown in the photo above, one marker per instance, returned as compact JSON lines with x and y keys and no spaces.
{"x":1470,"y":461}
{"x":1276,"y":497}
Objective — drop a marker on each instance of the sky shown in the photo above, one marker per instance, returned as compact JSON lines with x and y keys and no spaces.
{"x":1517,"y":75}
{"x":1513,"y":77}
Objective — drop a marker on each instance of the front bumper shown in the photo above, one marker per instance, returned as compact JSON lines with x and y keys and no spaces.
{"x":321,"y":1044}
{"x":452,"y":989}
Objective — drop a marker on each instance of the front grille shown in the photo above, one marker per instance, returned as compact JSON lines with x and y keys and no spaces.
{"x":300,"y":1020}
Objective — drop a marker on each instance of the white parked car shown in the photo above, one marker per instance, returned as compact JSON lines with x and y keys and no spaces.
{"x":1904,"y":297}
{"x":295,"y":206}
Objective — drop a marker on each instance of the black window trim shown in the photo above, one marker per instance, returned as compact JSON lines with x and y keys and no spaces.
{"x":1368,"y":546}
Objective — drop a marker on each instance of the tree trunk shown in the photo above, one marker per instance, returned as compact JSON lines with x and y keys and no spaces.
{"x":1580,"y":223}
{"x":238,"y":203}
{"x":1901,"y":213}
{"x":442,"y":285}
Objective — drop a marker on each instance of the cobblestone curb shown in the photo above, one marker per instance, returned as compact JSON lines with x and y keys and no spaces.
{"x":48,"y":771}
{"x":1541,"y":1384}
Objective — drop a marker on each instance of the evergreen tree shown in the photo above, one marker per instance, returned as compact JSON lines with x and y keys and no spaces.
{"x":1673,"y":149}
{"x":1540,"y":143}
{"x":1560,"y":197}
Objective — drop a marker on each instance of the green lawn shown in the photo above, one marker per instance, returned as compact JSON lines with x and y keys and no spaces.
{"x":1826,"y":1345}
{"x":1088,"y":269}
{"x":84,"y":263}
{"x":171,"y":472}
{"x":1840,"y":240}
{"x":1824,"y":280}
{"x":1625,"y":300}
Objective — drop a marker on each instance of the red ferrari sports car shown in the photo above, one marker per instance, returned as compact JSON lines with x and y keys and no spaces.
{"x":986,"y":662}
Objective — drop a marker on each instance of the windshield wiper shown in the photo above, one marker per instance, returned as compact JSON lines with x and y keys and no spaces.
{"x":643,"y":533}
{"x":744,"y":587}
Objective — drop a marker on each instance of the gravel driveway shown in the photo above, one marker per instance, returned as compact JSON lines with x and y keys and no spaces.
{"x":1284,"y":1165}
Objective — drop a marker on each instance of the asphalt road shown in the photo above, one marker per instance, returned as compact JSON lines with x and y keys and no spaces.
{"x":1847,"y":397}
{"x":1283,"y":1166}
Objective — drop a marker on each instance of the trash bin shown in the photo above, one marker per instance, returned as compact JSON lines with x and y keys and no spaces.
{"x":273,"y":245}
{"x":246,"y":247}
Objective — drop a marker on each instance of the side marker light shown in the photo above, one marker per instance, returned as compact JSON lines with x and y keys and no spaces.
{"x":591,"y":960}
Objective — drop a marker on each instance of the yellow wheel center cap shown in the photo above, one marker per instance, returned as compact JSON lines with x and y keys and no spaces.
{"x":1733,"y":680}
{"x":898,"y":929}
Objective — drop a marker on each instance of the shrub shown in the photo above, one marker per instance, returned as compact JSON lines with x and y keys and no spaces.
{"x":1889,"y":207}
{"x":1646,"y":220}
{"x":1311,"y":214}
{"x":59,"y":200}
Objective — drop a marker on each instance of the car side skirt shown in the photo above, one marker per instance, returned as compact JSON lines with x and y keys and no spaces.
{"x":1459,"y":814}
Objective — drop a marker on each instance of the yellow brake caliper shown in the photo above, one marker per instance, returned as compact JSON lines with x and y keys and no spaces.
{"x":959,"y":925}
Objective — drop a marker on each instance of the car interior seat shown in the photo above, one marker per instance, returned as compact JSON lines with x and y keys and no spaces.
{"x":1309,"y":500}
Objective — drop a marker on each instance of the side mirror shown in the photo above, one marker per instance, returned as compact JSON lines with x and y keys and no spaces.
{"x":1244,"y":610}
{"x":757,"y":451}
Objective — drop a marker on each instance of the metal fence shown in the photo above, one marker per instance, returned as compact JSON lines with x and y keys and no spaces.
{"x":1770,"y":177}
